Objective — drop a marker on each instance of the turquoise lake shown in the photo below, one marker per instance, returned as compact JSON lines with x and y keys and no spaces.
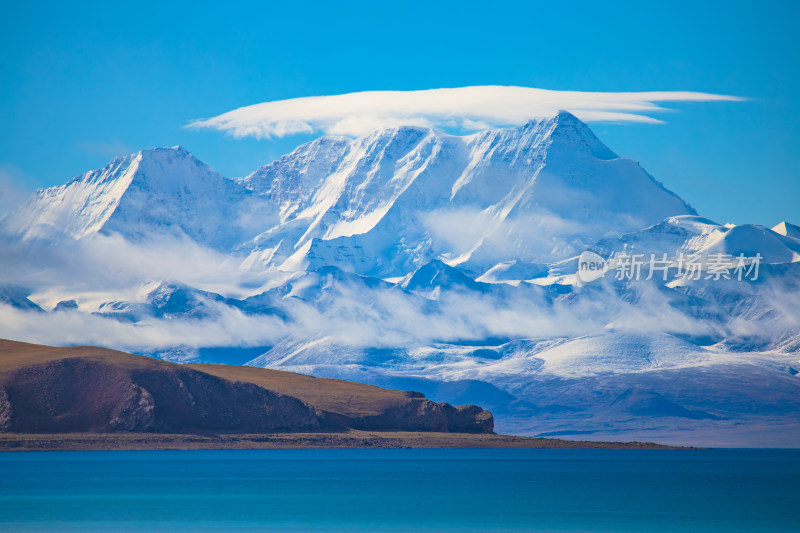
{"x":402,"y":490}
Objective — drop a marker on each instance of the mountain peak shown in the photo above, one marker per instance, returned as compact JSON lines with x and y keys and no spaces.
{"x":787,"y":230}
{"x":168,"y":155}
{"x":155,"y":149}
{"x":158,"y":190}
{"x":428,"y":279}
{"x":564,"y":116}
{"x":567,"y":133}
{"x":571,"y":131}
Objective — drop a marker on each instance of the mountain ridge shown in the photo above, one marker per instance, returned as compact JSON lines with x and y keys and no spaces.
{"x":411,"y":256}
{"x":336,"y":196}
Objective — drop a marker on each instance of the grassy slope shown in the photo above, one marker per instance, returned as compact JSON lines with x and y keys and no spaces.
{"x":15,"y":354}
{"x":335,"y":395}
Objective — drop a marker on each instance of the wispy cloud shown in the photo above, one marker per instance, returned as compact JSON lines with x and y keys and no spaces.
{"x":349,"y":314}
{"x":12,"y":189}
{"x":108,"y":149}
{"x":468,"y":108}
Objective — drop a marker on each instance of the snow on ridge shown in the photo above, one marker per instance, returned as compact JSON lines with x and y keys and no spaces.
{"x":413,"y":184}
{"x":78,"y":208}
{"x":787,"y":230}
{"x":159,"y":190}
{"x":751,"y":239}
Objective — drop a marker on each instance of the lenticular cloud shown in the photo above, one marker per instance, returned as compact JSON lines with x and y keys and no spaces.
{"x":467,"y":108}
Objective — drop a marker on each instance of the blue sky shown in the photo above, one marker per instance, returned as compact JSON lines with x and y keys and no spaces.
{"x":81,"y":82}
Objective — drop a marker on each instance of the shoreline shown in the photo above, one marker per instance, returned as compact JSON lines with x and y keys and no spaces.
{"x":320,"y":440}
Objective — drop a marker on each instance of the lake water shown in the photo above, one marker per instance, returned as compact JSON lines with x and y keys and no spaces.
{"x":402,"y":490}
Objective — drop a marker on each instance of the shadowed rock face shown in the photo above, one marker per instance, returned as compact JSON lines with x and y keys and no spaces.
{"x":83,"y":395}
{"x":470,"y":419}
{"x":421,"y":414}
{"x":85,"y":389}
{"x":360,"y":406}
{"x":6,"y":411}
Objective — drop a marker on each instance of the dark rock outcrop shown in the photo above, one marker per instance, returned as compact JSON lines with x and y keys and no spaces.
{"x":421,"y":414}
{"x":470,"y":419}
{"x":6,"y":411}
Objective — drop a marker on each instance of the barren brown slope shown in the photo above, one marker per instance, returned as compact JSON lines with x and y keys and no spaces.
{"x":50,"y":389}
{"x":78,"y":389}
{"x":14,"y":354}
{"x":334,"y":395}
{"x":360,"y":406}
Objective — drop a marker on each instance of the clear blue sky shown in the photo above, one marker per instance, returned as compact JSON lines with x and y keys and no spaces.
{"x":83,"y":82}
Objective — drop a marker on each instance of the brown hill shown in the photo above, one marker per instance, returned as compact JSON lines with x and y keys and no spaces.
{"x":89,"y":389}
{"x":360,"y":406}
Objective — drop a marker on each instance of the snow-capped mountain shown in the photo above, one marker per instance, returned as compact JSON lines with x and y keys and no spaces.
{"x":697,"y":235}
{"x":163,"y":190}
{"x":382,"y":205}
{"x":391,"y":201}
{"x":415,"y":259}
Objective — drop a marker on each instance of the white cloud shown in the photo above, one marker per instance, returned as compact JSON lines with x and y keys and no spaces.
{"x":469,"y":108}
{"x":348,"y":314}
{"x":107,"y":268}
{"x":69,"y":328}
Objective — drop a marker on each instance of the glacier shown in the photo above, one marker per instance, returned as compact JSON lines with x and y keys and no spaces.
{"x":415,"y":259}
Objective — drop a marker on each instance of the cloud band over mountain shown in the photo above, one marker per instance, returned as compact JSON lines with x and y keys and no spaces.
{"x":468,"y":108}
